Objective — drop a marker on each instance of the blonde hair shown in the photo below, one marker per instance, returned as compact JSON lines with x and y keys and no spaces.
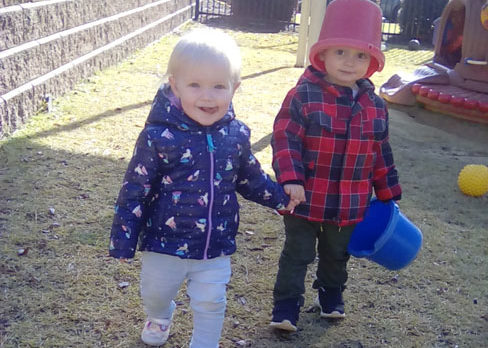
{"x":207,"y":45}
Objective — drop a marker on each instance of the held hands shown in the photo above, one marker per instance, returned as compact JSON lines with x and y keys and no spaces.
{"x":296,"y":193}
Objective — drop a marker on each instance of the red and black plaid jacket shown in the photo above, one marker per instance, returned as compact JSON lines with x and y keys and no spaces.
{"x":336,"y":146}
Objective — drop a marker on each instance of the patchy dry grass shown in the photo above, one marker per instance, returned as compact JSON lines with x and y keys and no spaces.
{"x":61,"y":173}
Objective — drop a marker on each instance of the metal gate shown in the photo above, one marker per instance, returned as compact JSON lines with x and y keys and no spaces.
{"x":269,"y":11}
{"x":208,"y":9}
{"x":392,"y":11}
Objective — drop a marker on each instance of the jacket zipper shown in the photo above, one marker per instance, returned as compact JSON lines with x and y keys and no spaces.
{"x":210,"y":149}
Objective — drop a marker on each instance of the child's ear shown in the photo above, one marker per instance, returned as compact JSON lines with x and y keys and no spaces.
{"x":172,"y":83}
{"x":236,"y":86}
{"x":322,"y":55}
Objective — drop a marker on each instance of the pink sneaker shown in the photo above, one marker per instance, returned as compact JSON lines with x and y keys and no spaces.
{"x":156,"y":332}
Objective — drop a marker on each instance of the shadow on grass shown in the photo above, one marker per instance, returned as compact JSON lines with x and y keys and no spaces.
{"x":458,"y":127}
{"x":58,"y":205}
{"x":264,"y":72}
{"x":261,"y":144}
{"x":106,"y":114}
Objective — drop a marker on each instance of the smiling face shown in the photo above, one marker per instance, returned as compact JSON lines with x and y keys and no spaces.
{"x":345,"y":65}
{"x":205,"y":90}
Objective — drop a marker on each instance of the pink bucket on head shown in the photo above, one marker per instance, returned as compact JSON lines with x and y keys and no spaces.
{"x":351,"y":23}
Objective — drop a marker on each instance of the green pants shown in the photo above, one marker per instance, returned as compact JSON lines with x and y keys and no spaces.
{"x":300,"y":250}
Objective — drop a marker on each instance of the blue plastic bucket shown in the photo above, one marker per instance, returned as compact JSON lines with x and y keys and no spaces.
{"x":386,"y":236}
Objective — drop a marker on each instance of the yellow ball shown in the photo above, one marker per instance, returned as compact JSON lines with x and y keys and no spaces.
{"x":473,"y":180}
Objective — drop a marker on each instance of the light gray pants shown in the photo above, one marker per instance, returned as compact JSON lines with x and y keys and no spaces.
{"x":161,"y":278}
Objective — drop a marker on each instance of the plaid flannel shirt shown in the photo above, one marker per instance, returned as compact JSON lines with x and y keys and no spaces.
{"x":336,"y":146}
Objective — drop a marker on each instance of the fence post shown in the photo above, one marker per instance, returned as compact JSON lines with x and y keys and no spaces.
{"x":303,"y":33}
{"x":197,"y":9}
{"x":310,"y":25}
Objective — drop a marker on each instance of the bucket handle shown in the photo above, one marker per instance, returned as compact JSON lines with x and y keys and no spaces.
{"x":395,"y":214}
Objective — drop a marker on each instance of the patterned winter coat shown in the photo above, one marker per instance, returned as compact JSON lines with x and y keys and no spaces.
{"x":336,"y":146}
{"x":179,"y":191}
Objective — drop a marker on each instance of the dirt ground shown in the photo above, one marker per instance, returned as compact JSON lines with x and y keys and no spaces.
{"x":61,"y":173}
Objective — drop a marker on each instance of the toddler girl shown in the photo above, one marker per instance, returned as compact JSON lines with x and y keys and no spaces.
{"x":179,"y":192}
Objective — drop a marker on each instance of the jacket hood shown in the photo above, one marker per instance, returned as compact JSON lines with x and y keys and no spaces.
{"x":166,"y":110}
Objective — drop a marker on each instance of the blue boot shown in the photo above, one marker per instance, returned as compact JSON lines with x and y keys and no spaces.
{"x":331,"y":303}
{"x":285,"y":314}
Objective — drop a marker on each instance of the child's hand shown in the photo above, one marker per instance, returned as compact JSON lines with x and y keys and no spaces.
{"x":296,"y":193}
{"x":291,"y":205}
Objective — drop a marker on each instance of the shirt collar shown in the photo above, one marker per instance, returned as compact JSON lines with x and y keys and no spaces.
{"x":315,"y":76}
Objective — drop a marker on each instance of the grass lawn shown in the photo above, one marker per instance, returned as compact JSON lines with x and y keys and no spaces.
{"x":60,"y":176}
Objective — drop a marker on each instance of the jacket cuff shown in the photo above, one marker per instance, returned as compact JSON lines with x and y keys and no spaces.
{"x":293,"y":182}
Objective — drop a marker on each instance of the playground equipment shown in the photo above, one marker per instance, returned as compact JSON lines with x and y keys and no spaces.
{"x":456,"y":81}
{"x":473,"y":180}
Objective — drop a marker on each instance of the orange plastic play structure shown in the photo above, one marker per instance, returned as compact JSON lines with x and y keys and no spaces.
{"x":456,"y":81}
